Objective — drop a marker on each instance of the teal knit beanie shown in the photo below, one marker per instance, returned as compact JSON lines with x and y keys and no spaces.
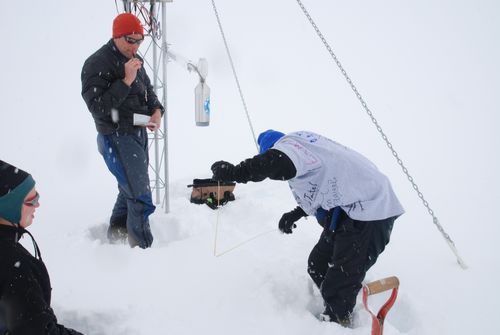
{"x":15,"y":184}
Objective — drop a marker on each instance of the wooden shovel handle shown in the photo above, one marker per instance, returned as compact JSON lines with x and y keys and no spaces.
{"x":382,"y":285}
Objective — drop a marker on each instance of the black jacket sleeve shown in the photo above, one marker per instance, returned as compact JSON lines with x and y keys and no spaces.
{"x":100,"y":90}
{"x":272,"y":164}
{"x":298,"y":212}
{"x":26,"y":308}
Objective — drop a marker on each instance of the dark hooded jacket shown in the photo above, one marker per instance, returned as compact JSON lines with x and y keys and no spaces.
{"x":25,"y":289}
{"x":103,"y":91}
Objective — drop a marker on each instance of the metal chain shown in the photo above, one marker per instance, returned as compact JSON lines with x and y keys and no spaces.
{"x":234,"y":73}
{"x":384,"y":137}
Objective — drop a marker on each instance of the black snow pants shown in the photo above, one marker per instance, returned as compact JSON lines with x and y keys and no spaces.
{"x":339,"y":261}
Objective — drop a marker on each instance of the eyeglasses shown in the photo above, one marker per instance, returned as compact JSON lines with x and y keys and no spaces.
{"x":34,"y":201}
{"x":131,"y":40}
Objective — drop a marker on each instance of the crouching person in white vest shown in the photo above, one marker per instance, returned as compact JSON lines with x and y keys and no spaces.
{"x":351,"y":199}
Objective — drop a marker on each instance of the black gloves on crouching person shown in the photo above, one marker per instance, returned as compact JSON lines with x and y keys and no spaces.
{"x":287,"y":221}
{"x":241,"y":173}
{"x":223,"y":171}
{"x":272,"y":164}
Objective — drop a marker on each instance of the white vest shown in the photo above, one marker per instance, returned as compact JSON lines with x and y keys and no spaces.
{"x":330,"y":175}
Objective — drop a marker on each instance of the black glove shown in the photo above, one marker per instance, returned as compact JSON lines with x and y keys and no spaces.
{"x":287,"y":221}
{"x":222,"y":171}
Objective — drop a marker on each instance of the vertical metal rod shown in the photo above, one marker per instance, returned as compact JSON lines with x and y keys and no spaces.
{"x":165,"y":102}
{"x":155,"y":87}
{"x":159,"y":182}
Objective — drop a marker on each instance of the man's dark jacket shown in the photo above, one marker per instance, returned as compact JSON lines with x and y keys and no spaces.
{"x":103,"y":91}
{"x":25,"y":289}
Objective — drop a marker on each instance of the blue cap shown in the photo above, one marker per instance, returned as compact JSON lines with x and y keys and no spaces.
{"x":267,"y":139}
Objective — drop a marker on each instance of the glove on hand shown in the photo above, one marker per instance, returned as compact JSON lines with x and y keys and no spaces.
{"x":222,"y":171}
{"x":287,"y":221}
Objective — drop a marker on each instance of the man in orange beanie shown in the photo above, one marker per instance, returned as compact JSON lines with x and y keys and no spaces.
{"x":117,"y":89}
{"x":127,"y":24}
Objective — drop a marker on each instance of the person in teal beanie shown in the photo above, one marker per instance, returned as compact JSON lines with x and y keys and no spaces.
{"x":25,"y":289}
{"x":15,"y":184}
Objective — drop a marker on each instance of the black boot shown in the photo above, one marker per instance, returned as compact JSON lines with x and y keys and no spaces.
{"x":117,"y":230}
{"x":345,"y":321}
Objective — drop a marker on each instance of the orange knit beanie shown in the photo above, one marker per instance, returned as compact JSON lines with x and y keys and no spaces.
{"x":126,"y":24}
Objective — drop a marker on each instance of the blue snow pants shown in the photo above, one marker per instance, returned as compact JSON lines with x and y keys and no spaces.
{"x":126,"y":156}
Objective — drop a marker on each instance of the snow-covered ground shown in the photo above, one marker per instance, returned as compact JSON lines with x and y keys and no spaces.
{"x":429,"y":72}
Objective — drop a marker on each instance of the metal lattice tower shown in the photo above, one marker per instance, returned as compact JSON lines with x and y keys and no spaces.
{"x":152,"y":14}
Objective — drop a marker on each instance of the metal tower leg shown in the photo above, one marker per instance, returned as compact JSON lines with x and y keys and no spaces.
{"x":160,"y":138}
